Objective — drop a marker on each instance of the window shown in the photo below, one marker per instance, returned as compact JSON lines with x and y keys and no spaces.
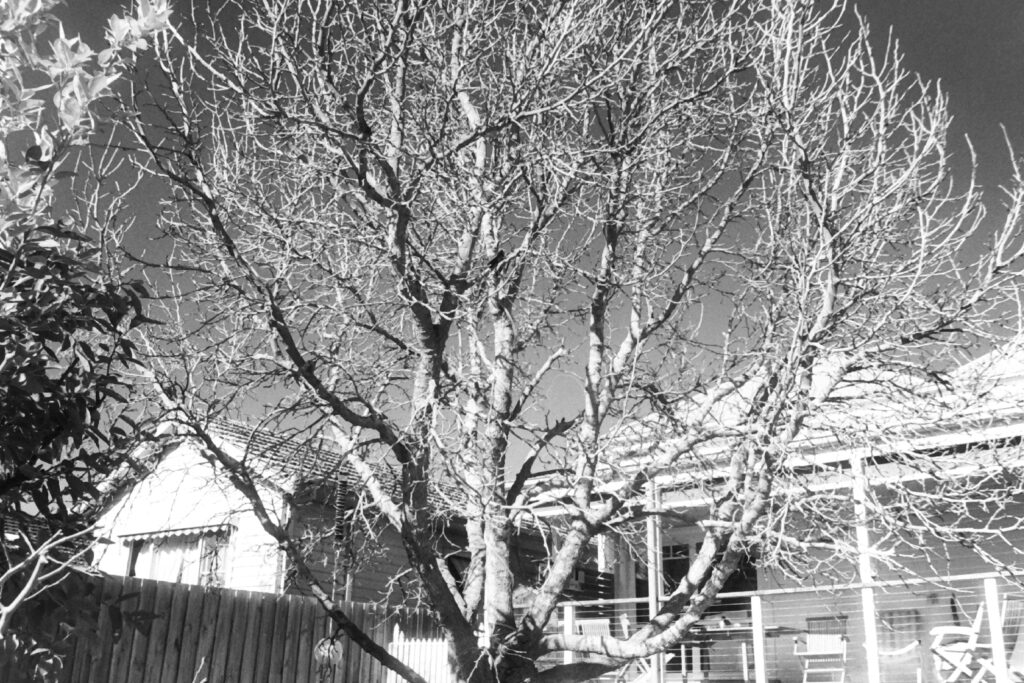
{"x":195,"y":556}
{"x":675,"y":563}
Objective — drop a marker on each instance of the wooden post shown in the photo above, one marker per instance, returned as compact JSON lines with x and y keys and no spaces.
{"x":654,"y":569}
{"x":865,"y":569}
{"x":757,"y":633}
{"x":995,"y":627}
{"x":568,"y":628}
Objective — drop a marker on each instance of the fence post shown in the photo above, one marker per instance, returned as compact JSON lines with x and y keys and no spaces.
{"x":757,"y":632}
{"x":995,"y":626}
{"x":568,"y":628}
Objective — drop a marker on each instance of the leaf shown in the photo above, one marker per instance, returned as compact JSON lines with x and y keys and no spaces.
{"x":141,"y":319}
{"x":99,"y":84}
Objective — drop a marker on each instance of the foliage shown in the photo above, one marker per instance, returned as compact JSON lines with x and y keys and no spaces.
{"x":610,"y":243}
{"x":63,"y":320}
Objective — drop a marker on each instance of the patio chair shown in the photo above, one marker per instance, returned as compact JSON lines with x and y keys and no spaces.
{"x":961,"y":654}
{"x":593,"y":627}
{"x":823,"y":656}
{"x":954,"y":649}
{"x":1012,"y":618}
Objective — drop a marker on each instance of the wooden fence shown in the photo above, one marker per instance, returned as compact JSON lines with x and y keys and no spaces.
{"x":157,"y":632}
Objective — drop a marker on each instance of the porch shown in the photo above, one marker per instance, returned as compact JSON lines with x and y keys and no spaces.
{"x":935,"y":629}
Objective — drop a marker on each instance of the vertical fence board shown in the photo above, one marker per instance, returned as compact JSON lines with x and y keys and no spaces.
{"x":326,"y":671}
{"x":245,"y":613}
{"x":290,"y":641}
{"x":157,"y":642}
{"x":307,"y":640}
{"x":145,"y":625}
{"x":175,"y":630}
{"x":78,"y":667}
{"x":207,"y":632}
{"x":280,"y":634}
{"x":265,"y":639}
{"x":236,"y":637}
{"x":343,"y":672}
{"x":360,"y":664}
{"x":193,"y":621}
{"x":250,"y":640}
{"x":99,"y":670}
{"x":120,"y":656}
{"x":222,"y":636}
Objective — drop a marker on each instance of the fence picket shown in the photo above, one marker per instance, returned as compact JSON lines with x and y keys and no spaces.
{"x":207,"y":631}
{"x":306,"y":642}
{"x":278,"y":641}
{"x":289,"y":642}
{"x":229,"y":636}
{"x":175,"y":630}
{"x":157,"y":642}
{"x":120,"y":656}
{"x":246,"y":614}
{"x":222,"y":636}
{"x":265,"y":639}
{"x":193,"y":623}
{"x":147,"y":622}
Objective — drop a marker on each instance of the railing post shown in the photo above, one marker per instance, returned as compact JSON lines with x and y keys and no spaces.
{"x":568,"y":628}
{"x":654,"y":562}
{"x":867,"y":604}
{"x":757,"y":633}
{"x":865,"y":570}
{"x":995,"y":626}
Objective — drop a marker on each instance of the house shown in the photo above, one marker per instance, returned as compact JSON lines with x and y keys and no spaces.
{"x":946,"y":611}
{"x":176,"y":517}
{"x":876,"y":623}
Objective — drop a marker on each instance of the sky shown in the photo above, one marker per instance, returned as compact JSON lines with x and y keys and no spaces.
{"x":974,"y":47}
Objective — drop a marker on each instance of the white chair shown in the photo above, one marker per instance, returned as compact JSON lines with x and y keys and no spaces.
{"x":1012,"y":619}
{"x":954,"y":649}
{"x":593,"y":627}
{"x":823,"y":655}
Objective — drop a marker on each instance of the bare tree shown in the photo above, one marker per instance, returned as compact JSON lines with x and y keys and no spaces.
{"x":550,"y":251}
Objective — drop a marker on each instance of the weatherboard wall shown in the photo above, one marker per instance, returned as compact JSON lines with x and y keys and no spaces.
{"x":184,"y":492}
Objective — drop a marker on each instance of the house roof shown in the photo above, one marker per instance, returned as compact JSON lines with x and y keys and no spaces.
{"x":35,"y":528}
{"x":291,"y":462}
{"x":872,"y":415}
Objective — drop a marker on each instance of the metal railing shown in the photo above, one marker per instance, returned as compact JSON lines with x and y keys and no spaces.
{"x":936,"y":629}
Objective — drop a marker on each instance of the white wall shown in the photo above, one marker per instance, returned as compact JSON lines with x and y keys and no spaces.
{"x":183,"y":492}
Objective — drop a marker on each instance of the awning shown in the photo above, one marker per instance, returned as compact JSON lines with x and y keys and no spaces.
{"x":205,"y":530}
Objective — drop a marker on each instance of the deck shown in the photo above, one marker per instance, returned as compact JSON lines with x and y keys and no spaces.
{"x":764,"y":636}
